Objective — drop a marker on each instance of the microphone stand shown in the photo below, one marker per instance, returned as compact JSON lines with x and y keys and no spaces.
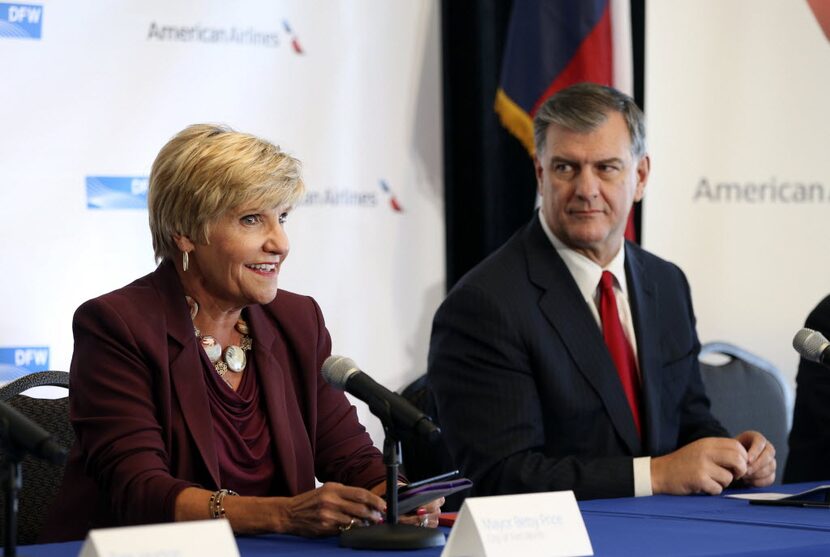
{"x":391,"y":534}
{"x":12,"y":479}
{"x":11,"y":475}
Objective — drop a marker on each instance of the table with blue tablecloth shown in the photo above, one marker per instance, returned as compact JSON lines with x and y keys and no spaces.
{"x":694,"y":525}
{"x":705,"y":525}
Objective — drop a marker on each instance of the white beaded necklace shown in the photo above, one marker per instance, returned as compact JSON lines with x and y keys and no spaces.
{"x":233,"y":357}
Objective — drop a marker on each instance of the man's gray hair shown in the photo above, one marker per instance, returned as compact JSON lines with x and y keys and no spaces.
{"x":584,"y":107}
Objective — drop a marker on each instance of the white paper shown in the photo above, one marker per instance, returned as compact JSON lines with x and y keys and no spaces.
{"x":759,"y":496}
{"x":772,"y":496}
{"x":182,"y":539}
{"x":530,"y":525}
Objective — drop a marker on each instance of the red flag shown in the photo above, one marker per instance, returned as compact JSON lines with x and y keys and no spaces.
{"x":552,"y":44}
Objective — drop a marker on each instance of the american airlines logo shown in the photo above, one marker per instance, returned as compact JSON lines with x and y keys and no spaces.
{"x":217,"y":34}
{"x":348,"y":197}
{"x":20,"y":21}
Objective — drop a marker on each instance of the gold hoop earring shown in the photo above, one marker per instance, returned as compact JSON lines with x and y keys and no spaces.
{"x":185,"y":261}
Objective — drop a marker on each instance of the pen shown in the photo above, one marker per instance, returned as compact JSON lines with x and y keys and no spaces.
{"x":437,"y":478}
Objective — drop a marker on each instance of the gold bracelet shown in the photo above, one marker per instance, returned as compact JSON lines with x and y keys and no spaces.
{"x":215,"y":503}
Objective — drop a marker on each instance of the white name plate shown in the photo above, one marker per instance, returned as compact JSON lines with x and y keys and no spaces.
{"x":179,"y":539}
{"x":532,"y":525}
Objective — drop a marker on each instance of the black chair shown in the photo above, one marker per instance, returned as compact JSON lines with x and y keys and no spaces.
{"x":421,"y":458}
{"x":747,"y":392}
{"x":41,"y":480}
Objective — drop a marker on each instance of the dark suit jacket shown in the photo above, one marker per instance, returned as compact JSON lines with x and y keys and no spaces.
{"x":528,"y":396}
{"x":139,"y":406}
{"x":809,"y":457}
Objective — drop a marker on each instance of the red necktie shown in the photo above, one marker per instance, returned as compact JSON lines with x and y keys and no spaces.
{"x":618,"y":346}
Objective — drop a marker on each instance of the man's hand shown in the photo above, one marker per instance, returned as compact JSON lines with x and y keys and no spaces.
{"x":704,"y":466}
{"x":760,"y":470}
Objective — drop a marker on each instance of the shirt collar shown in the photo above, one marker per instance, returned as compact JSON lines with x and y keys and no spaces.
{"x":586,"y":272}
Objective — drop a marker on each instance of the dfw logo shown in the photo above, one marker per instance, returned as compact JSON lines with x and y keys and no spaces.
{"x":116,"y":192}
{"x":31,"y":358}
{"x":20,"y":21}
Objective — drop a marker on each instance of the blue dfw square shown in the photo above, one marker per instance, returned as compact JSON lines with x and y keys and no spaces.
{"x":29,"y":358}
{"x":20,"y":21}
{"x":116,"y":192}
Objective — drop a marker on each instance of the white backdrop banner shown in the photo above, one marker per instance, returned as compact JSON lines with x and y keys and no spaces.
{"x":92,"y":90}
{"x":739,"y":126}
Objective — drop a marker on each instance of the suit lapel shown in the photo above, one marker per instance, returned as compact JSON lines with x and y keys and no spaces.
{"x":644,"y":306}
{"x":186,"y":366}
{"x":274,"y":386}
{"x":563,"y":306}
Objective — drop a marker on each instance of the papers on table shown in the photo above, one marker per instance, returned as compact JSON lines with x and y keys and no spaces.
{"x":815,"y":497}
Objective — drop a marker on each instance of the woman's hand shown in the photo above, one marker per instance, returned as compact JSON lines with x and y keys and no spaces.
{"x":426,"y":516}
{"x":329,"y":509}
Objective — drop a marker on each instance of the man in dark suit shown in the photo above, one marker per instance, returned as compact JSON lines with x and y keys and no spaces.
{"x":545,"y":380}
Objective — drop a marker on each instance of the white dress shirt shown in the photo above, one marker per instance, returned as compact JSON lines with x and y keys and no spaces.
{"x":587,"y":274}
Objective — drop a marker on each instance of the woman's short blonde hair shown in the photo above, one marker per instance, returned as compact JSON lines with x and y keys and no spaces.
{"x":207,"y":170}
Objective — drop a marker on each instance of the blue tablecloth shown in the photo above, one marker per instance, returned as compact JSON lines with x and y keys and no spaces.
{"x":249,"y":546}
{"x":715,"y":509}
{"x":659,"y":525}
{"x":703,"y":525}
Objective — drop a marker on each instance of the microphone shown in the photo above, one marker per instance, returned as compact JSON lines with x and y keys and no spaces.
{"x":393,"y":410}
{"x":21,"y":433}
{"x":812,"y":345}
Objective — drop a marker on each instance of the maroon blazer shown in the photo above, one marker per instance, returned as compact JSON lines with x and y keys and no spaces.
{"x":139,"y":407}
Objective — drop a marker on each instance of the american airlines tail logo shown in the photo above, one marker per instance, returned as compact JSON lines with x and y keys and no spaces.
{"x":821,"y":9}
{"x":295,"y":42}
{"x":393,"y":201}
